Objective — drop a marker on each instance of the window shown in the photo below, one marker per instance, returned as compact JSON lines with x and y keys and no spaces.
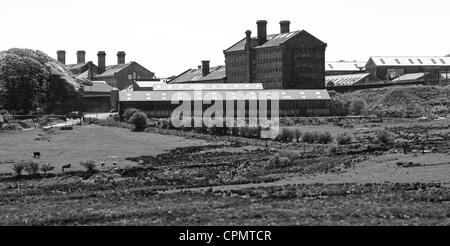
{"x":411,"y":61}
{"x":398,"y":62}
{"x":434,"y":61}
{"x":420,"y":61}
{"x":382,"y":61}
{"x":443,"y":62}
{"x":130,"y":76}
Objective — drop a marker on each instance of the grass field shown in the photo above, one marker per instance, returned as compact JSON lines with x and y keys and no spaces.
{"x":170,"y":180}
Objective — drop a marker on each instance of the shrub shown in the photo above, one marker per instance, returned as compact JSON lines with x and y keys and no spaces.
{"x":384,"y":137}
{"x":128,"y":113}
{"x":90,"y":166}
{"x":18,"y":168}
{"x":333,"y":150}
{"x":284,"y":135}
{"x":139,"y":120}
{"x":31,"y":167}
{"x":344,"y":138}
{"x":309,"y":137}
{"x":279,"y":162}
{"x":324,"y":137}
{"x":357,"y":106}
{"x":47,"y":168}
{"x":296,"y":134}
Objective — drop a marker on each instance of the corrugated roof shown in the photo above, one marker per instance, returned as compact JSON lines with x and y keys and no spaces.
{"x":193,"y":75}
{"x":208,"y":87}
{"x":272,"y":40}
{"x":283,"y":95}
{"x":428,"y":61}
{"x":410,"y":77}
{"x":346,"y":79}
{"x":98,"y":86}
{"x":344,"y":66}
{"x":113,"y":69}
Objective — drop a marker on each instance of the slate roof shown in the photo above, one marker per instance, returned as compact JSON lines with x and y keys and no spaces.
{"x":346,"y":79}
{"x":402,"y":61}
{"x":98,"y":86}
{"x":148,"y":84}
{"x":194,"y":75}
{"x":158,"y":96}
{"x":113,"y":69}
{"x":344,"y":66}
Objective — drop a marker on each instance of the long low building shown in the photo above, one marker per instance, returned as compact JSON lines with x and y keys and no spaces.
{"x":292,"y":103}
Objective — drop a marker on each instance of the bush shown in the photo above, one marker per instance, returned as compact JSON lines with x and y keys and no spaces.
{"x":31,"y":167}
{"x":139,"y":120}
{"x":384,"y":137}
{"x":128,"y":113}
{"x":47,"y":168}
{"x":309,"y":137}
{"x":357,"y":106}
{"x":279,"y":162}
{"x":296,"y":134}
{"x":324,"y":138}
{"x":344,"y":138}
{"x":18,"y":168}
{"x":90,"y":166}
{"x":333,"y":150}
{"x":284,"y":135}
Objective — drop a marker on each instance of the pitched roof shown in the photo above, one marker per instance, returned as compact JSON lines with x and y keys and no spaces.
{"x":113,"y":69}
{"x":157,"y":96}
{"x":272,"y":41}
{"x":98,"y":86}
{"x":411,"y":60}
{"x":208,"y":87}
{"x":344,"y":66}
{"x":410,"y":77}
{"x":193,"y":75}
{"x":76,"y":66}
{"x":148,"y":84}
{"x":346,"y":79}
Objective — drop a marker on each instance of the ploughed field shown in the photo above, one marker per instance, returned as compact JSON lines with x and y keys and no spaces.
{"x":170,"y":180}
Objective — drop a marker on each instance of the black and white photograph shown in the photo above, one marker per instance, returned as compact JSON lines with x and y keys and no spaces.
{"x":224,"y":114}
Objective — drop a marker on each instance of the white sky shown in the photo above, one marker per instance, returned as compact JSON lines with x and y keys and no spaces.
{"x":171,"y":36}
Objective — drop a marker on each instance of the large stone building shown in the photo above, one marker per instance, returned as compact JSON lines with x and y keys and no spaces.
{"x":288,"y":60}
{"x":117,"y":76}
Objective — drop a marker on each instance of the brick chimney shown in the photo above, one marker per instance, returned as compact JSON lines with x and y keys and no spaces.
{"x":248,"y":54}
{"x":205,"y":68}
{"x":101,"y":56}
{"x":284,"y":26}
{"x":81,"y":56}
{"x":121,"y":57}
{"x":262,"y":31}
{"x":61,"y":56}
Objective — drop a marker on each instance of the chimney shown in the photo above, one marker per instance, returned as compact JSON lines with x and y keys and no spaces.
{"x":101,"y":55}
{"x":90,"y":72}
{"x":121,"y":57}
{"x":284,"y":26}
{"x":262,"y":31}
{"x":205,"y":68}
{"x":248,"y":54}
{"x":61,"y":56}
{"x":81,"y":56}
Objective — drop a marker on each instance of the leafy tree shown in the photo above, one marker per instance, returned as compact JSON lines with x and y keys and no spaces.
{"x":30,"y":79}
{"x":139,"y":120}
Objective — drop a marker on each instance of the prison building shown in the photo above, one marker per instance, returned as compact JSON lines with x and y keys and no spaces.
{"x":96,"y":97}
{"x":288,"y":60}
{"x":346,"y":80}
{"x":203,"y":74}
{"x":386,"y":68}
{"x":118,"y":76}
{"x":292,"y":103}
{"x":343,"y":68}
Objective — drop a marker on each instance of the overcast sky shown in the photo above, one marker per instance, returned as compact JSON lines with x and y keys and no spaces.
{"x":171,"y":36}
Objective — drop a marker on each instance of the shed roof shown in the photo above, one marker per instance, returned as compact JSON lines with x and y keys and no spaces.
{"x":98,"y":86}
{"x":344,"y":66}
{"x":148,"y":84}
{"x":346,"y":79}
{"x":402,"y":61}
{"x":110,"y":71}
{"x":208,"y":87}
{"x":282,"y":95}
{"x":410,"y":77}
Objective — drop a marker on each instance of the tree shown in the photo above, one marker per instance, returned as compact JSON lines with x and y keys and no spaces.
{"x":139,"y":120}
{"x":30,"y":79}
{"x":357,"y":106}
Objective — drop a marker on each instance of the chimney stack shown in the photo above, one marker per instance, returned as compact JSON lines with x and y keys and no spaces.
{"x":101,"y":56}
{"x":284,"y":26}
{"x":81,"y":56}
{"x":248,"y":55}
{"x":262,"y":31}
{"x":61,"y":56}
{"x":205,"y":68}
{"x":121,"y":57}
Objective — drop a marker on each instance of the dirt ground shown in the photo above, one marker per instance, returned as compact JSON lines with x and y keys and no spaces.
{"x":100,"y":144}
